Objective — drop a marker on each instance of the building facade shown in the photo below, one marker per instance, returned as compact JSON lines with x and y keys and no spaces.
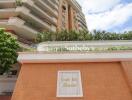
{"x":71,"y":16}
{"x":25,"y":18}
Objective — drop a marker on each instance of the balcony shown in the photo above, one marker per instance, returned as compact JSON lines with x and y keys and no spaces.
{"x":28,"y":16}
{"x":30,"y":4}
{"x":53,"y":5}
{"x":46,"y":8}
{"x":56,"y":2}
{"x":6,"y":13}
{"x":7,"y":3}
{"x":75,"y":4}
{"x":19,"y":27}
{"x":3,"y":21}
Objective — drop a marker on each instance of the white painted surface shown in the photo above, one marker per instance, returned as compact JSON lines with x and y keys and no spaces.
{"x":69,"y":84}
{"x":75,"y":57}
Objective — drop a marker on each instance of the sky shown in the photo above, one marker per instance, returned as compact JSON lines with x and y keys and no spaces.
{"x":109,"y":15}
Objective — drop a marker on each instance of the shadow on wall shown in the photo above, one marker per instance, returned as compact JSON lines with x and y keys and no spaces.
{"x":5,"y":97}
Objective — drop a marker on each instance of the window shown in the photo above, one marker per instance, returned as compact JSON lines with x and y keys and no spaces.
{"x":63,"y":7}
{"x":69,"y":84}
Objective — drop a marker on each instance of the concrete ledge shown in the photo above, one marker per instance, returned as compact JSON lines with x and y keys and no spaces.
{"x":74,"y":57}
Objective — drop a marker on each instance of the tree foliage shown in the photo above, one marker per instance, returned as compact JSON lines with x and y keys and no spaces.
{"x":83,"y":36}
{"x":8,"y":51}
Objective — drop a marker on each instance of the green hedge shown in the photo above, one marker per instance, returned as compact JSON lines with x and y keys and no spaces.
{"x":83,"y":36}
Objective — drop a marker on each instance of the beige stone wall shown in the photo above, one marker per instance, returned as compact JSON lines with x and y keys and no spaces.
{"x":101,"y":81}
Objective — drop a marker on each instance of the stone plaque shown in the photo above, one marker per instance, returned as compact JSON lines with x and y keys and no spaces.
{"x":69,"y":84}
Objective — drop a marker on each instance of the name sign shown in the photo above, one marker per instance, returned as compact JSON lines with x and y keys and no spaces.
{"x":69,"y":84}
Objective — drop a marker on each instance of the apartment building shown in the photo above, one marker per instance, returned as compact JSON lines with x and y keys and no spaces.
{"x":71,"y":16}
{"x":26,"y":18}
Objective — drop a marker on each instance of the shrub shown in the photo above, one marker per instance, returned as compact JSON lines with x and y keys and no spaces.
{"x":8,"y":51}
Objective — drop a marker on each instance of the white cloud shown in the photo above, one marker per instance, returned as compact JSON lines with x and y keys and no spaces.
{"x":95,"y":6}
{"x":106,"y":14}
{"x":110,"y":19}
